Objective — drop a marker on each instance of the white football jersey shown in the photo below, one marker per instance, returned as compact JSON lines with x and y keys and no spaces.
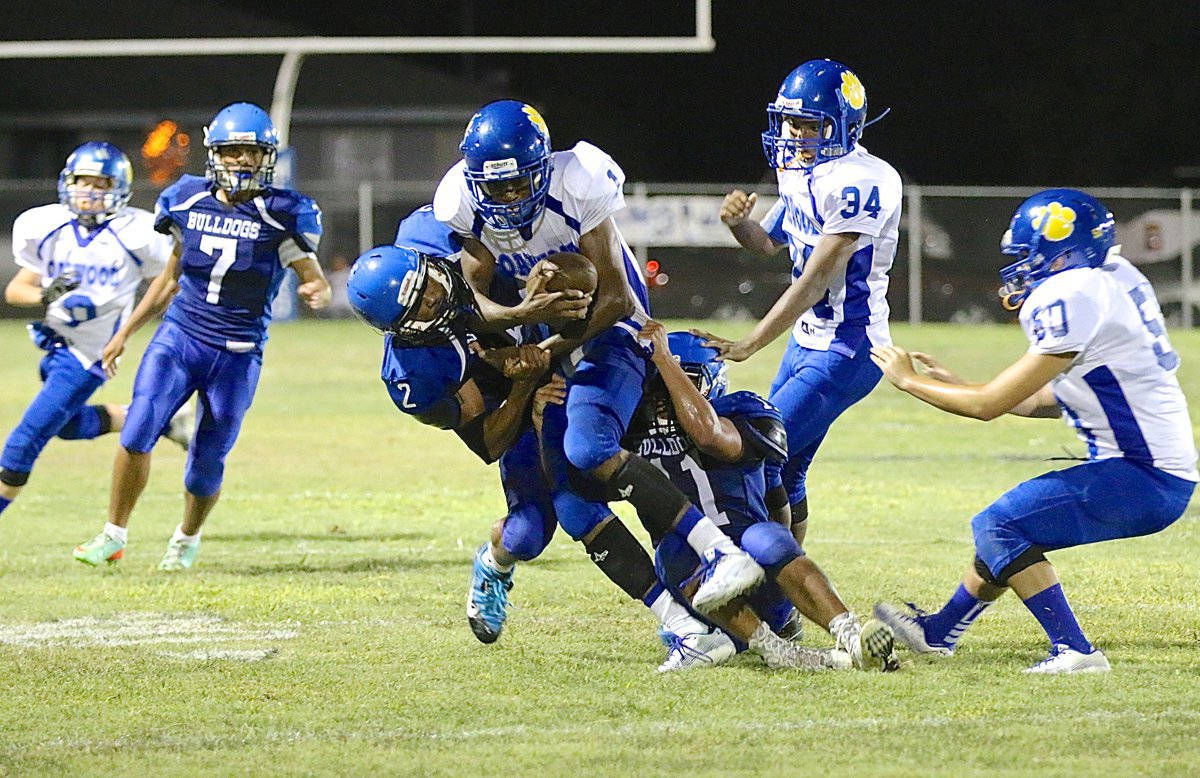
{"x":110,"y":262}
{"x":855,"y":193}
{"x":585,"y":189}
{"x":1120,"y":394}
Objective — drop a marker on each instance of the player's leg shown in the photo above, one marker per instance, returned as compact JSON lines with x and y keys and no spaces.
{"x":812,"y":389}
{"x":601,"y":398}
{"x":1085,"y":504}
{"x":67,"y":386}
{"x":162,"y":384}
{"x":520,"y":536}
{"x":937,"y":633}
{"x":807,"y":587}
{"x":224,"y":397}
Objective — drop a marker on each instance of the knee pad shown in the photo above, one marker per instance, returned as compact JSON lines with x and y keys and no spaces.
{"x":12,"y":477}
{"x":771,"y":545}
{"x":982,"y":569}
{"x":527,"y":531}
{"x":590,"y":442}
{"x":1027,"y":558}
{"x":577,"y":516}
{"x":203,"y":478}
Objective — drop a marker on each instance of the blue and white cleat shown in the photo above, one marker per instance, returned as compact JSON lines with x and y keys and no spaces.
{"x":727,"y":573}
{"x":695,"y":650}
{"x":909,"y":629}
{"x":487,"y":600}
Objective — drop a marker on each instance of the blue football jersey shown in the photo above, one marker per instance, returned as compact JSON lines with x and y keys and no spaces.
{"x":234,"y":257}
{"x":732,"y":494}
{"x":421,"y":231}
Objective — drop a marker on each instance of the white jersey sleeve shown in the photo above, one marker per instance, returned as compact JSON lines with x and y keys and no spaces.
{"x":772,"y":223}
{"x":151,"y":248}
{"x":1061,"y":316}
{"x":31,"y":230}
{"x":452,"y":201}
{"x":592,"y":185}
{"x":857,"y":197}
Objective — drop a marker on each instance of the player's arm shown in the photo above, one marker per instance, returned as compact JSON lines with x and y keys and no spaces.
{"x":715,"y":435}
{"x":735,"y":213}
{"x":313,"y":289}
{"x":490,"y":433}
{"x":1040,"y":405}
{"x":25,"y":289}
{"x":1022,"y":385}
{"x":158,"y":296}
{"x":613,"y":298}
{"x":479,"y":267}
{"x":830,"y":257}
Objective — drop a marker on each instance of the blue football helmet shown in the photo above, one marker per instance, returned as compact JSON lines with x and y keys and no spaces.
{"x":406,"y":293}
{"x":821,"y":91}
{"x":96,"y":158}
{"x":1053,"y":231}
{"x":241,"y":124}
{"x":507,"y":152}
{"x":700,"y":363}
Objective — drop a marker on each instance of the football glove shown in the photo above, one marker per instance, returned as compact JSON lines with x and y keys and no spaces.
{"x":59,"y":286}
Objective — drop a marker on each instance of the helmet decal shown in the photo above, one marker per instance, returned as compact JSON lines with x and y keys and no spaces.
{"x":1054,"y":221}
{"x":852,"y":90}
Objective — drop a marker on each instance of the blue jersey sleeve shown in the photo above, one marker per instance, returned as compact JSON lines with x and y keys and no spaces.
{"x":422,"y":381}
{"x":760,"y":424}
{"x":178,"y":192}
{"x":422,"y":232}
{"x":307,"y":230}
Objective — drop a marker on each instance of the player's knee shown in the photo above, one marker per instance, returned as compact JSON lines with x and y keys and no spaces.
{"x":771,"y":545}
{"x":203,"y":478}
{"x":588,"y":452}
{"x":526,"y":532}
{"x":1026,"y":559}
{"x":14,"y":478}
{"x":578,"y":517}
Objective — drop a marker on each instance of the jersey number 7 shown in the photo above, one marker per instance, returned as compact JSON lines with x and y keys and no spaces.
{"x":224,"y":254}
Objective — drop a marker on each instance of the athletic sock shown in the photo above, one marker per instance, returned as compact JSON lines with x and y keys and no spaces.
{"x":4,"y":503}
{"x":700,"y":532}
{"x":489,"y":560}
{"x":116,"y":533}
{"x":673,"y":616}
{"x":180,"y":537}
{"x":945,"y":627}
{"x":1050,"y":608}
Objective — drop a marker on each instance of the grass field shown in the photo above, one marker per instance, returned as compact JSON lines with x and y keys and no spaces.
{"x":322,"y":631}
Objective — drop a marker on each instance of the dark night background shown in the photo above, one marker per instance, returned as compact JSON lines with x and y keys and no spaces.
{"x":1022,"y":93}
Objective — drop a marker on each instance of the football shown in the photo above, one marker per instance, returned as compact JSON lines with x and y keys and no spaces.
{"x":574,"y":271}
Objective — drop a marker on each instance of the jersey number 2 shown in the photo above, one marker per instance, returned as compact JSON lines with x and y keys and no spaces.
{"x":224,"y":254}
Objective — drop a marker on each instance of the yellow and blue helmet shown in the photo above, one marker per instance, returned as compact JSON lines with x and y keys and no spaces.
{"x":821,"y":91}
{"x":507,"y":146}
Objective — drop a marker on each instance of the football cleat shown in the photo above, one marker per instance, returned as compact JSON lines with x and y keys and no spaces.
{"x":779,"y":653}
{"x":101,"y":548}
{"x":871,"y":646}
{"x":182,"y":427}
{"x":1064,"y":659}
{"x":179,"y":556}
{"x":487,"y":599}
{"x":793,"y":628}
{"x":726,"y":574}
{"x":698,"y":649}
{"x":909,"y":629}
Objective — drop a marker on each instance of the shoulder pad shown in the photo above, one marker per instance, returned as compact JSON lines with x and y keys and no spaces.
{"x":759,"y":422}
{"x":747,"y":404}
{"x":36,"y":223}
{"x":586,"y":169}
{"x":419,"y":376}
{"x":421,"y":231}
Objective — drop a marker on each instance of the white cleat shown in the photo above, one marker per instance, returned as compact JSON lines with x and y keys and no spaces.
{"x":698,"y":649}
{"x":908,"y":629}
{"x":871,"y":646}
{"x":779,"y":653}
{"x":182,"y":427}
{"x":1067,"y":660}
{"x":728,"y":573}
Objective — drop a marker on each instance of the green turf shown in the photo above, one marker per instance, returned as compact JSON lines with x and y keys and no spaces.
{"x":342,"y":544}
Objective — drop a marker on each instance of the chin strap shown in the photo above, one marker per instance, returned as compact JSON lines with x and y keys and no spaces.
{"x":886,"y":111}
{"x":1013,"y":300}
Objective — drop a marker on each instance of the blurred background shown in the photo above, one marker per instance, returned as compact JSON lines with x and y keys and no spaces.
{"x":989,"y":103}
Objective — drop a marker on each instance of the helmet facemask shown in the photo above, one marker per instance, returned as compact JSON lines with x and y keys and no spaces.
{"x":236,"y":178}
{"x":492,"y":188}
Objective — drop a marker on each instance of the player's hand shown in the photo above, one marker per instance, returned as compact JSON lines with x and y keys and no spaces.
{"x":526,"y":362}
{"x":553,"y":392}
{"x":896,"y":364}
{"x":736,"y":207}
{"x":729,"y":350}
{"x":655,"y":335}
{"x":60,"y":285}
{"x":934,"y":369}
{"x":315,"y":293}
{"x":111,"y":353}
{"x":553,"y":307}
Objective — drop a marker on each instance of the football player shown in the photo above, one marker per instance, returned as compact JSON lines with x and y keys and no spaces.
{"x":1099,"y":356}
{"x":437,"y":370}
{"x":235,"y":237}
{"x":838,"y":214}
{"x":82,"y":261}
{"x":724,"y":451}
{"x":514,"y":201}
